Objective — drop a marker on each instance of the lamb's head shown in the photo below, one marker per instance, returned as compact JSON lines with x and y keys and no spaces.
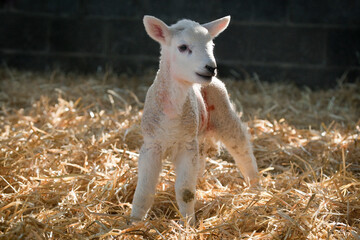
{"x":187,"y":47}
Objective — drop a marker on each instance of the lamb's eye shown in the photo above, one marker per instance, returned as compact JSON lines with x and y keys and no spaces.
{"x":183,"y":48}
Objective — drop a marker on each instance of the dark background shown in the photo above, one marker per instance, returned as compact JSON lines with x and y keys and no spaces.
{"x":311,"y":42}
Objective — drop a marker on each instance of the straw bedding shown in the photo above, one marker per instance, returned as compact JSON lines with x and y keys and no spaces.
{"x":69,"y":147}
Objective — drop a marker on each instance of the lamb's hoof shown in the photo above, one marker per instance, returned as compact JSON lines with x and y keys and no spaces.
{"x":133,"y":220}
{"x":254,"y":183}
{"x":188,"y":221}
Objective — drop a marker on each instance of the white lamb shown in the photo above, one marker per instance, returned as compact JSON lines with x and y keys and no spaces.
{"x":185,"y":108}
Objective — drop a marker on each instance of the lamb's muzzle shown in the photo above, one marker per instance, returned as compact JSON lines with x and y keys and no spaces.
{"x":211,"y":69}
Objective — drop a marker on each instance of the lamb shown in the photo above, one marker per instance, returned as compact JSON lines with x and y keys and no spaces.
{"x":186,"y":109}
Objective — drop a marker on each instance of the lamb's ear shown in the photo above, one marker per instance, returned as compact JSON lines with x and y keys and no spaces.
{"x":217,"y":26}
{"x":157,"y":29}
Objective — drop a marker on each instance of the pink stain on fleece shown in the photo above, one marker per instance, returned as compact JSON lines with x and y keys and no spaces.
{"x":209,"y":108}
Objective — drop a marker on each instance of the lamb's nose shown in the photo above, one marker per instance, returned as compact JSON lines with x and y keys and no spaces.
{"x":211,"y":69}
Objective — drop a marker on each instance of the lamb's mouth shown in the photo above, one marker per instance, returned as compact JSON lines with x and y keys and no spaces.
{"x":206,"y":77}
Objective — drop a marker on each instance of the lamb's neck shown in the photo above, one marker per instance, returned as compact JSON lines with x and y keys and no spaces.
{"x":172,"y":92}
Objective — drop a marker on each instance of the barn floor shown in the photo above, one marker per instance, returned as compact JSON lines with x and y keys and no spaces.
{"x":69,"y":147}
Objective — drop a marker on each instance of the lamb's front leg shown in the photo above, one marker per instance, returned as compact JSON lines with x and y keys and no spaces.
{"x":187,"y":168}
{"x":149,"y":168}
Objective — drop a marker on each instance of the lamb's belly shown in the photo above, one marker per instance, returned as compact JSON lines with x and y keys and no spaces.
{"x":173,"y":132}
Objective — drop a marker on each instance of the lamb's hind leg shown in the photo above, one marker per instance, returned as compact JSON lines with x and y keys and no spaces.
{"x":228,"y":128}
{"x":148,"y":173}
{"x":236,"y":140}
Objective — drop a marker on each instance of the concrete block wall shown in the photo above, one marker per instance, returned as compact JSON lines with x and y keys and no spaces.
{"x":304,"y":41}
